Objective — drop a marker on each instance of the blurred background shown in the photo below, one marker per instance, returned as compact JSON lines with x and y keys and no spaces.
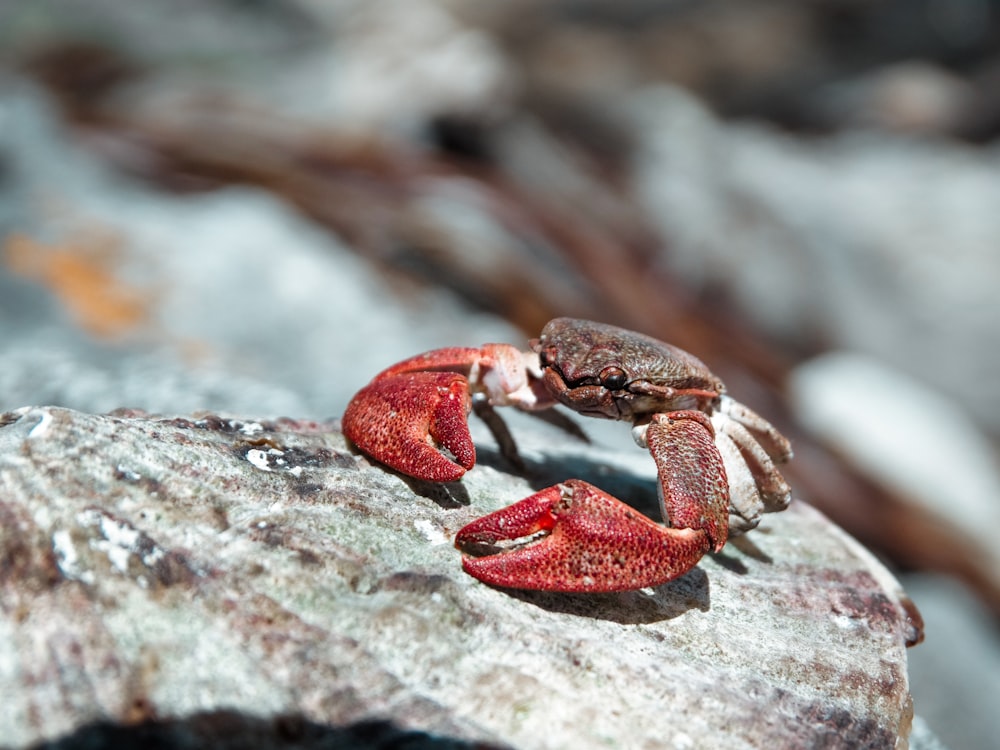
{"x":253,"y":205}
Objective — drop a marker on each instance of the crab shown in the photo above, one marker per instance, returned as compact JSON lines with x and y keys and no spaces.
{"x":716,"y":459}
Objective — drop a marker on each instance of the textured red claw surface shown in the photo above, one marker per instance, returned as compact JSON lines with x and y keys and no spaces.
{"x":401,"y":419}
{"x":591,"y":542}
{"x":694,"y":489}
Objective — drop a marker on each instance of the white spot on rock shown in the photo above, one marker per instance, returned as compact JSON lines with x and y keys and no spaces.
{"x":259,"y":459}
{"x":67,"y":559}
{"x":431,"y":531}
{"x":128,"y":473}
{"x":252,"y":428}
{"x":42,"y":427}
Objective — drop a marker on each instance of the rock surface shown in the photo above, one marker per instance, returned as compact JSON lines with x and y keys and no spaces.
{"x":204,"y":577}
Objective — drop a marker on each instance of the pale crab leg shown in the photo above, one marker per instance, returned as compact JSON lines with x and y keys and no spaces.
{"x":744,"y":499}
{"x":774,"y":443}
{"x":591,"y":542}
{"x":774,"y":492}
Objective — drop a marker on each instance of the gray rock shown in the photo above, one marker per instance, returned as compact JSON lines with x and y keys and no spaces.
{"x":959,"y":677}
{"x":212,"y":578}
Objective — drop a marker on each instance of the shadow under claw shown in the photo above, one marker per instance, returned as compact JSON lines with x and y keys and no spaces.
{"x":447,"y":495}
{"x":672,"y":599}
{"x":746,"y":545}
{"x":730,"y":563}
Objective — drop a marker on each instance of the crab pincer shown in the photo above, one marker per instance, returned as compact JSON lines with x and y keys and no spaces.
{"x":589,"y":542}
{"x":410,"y":411}
{"x":402,"y":418}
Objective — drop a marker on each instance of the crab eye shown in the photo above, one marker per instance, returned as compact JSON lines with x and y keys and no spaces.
{"x":613,"y":378}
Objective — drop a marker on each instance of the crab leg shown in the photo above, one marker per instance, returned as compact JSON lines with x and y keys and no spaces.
{"x":774,"y":492}
{"x":763,"y":432}
{"x":590,"y":542}
{"x":745,"y":505}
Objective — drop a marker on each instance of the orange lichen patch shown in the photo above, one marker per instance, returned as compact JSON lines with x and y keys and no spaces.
{"x":82,"y":278}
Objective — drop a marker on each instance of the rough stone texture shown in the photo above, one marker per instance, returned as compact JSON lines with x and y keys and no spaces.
{"x":200,"y":576}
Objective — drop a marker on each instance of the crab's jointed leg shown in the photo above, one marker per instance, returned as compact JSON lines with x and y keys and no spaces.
{"x":751,"y":450}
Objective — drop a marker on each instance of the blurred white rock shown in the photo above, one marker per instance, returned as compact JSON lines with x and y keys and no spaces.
{"x":863,"y":241}
{"x":910,"y":438}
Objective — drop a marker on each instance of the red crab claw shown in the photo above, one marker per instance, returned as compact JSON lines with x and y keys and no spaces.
{"x":421,"y":404}
{"x":400,"y":419}
{"x":590,"y":542}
